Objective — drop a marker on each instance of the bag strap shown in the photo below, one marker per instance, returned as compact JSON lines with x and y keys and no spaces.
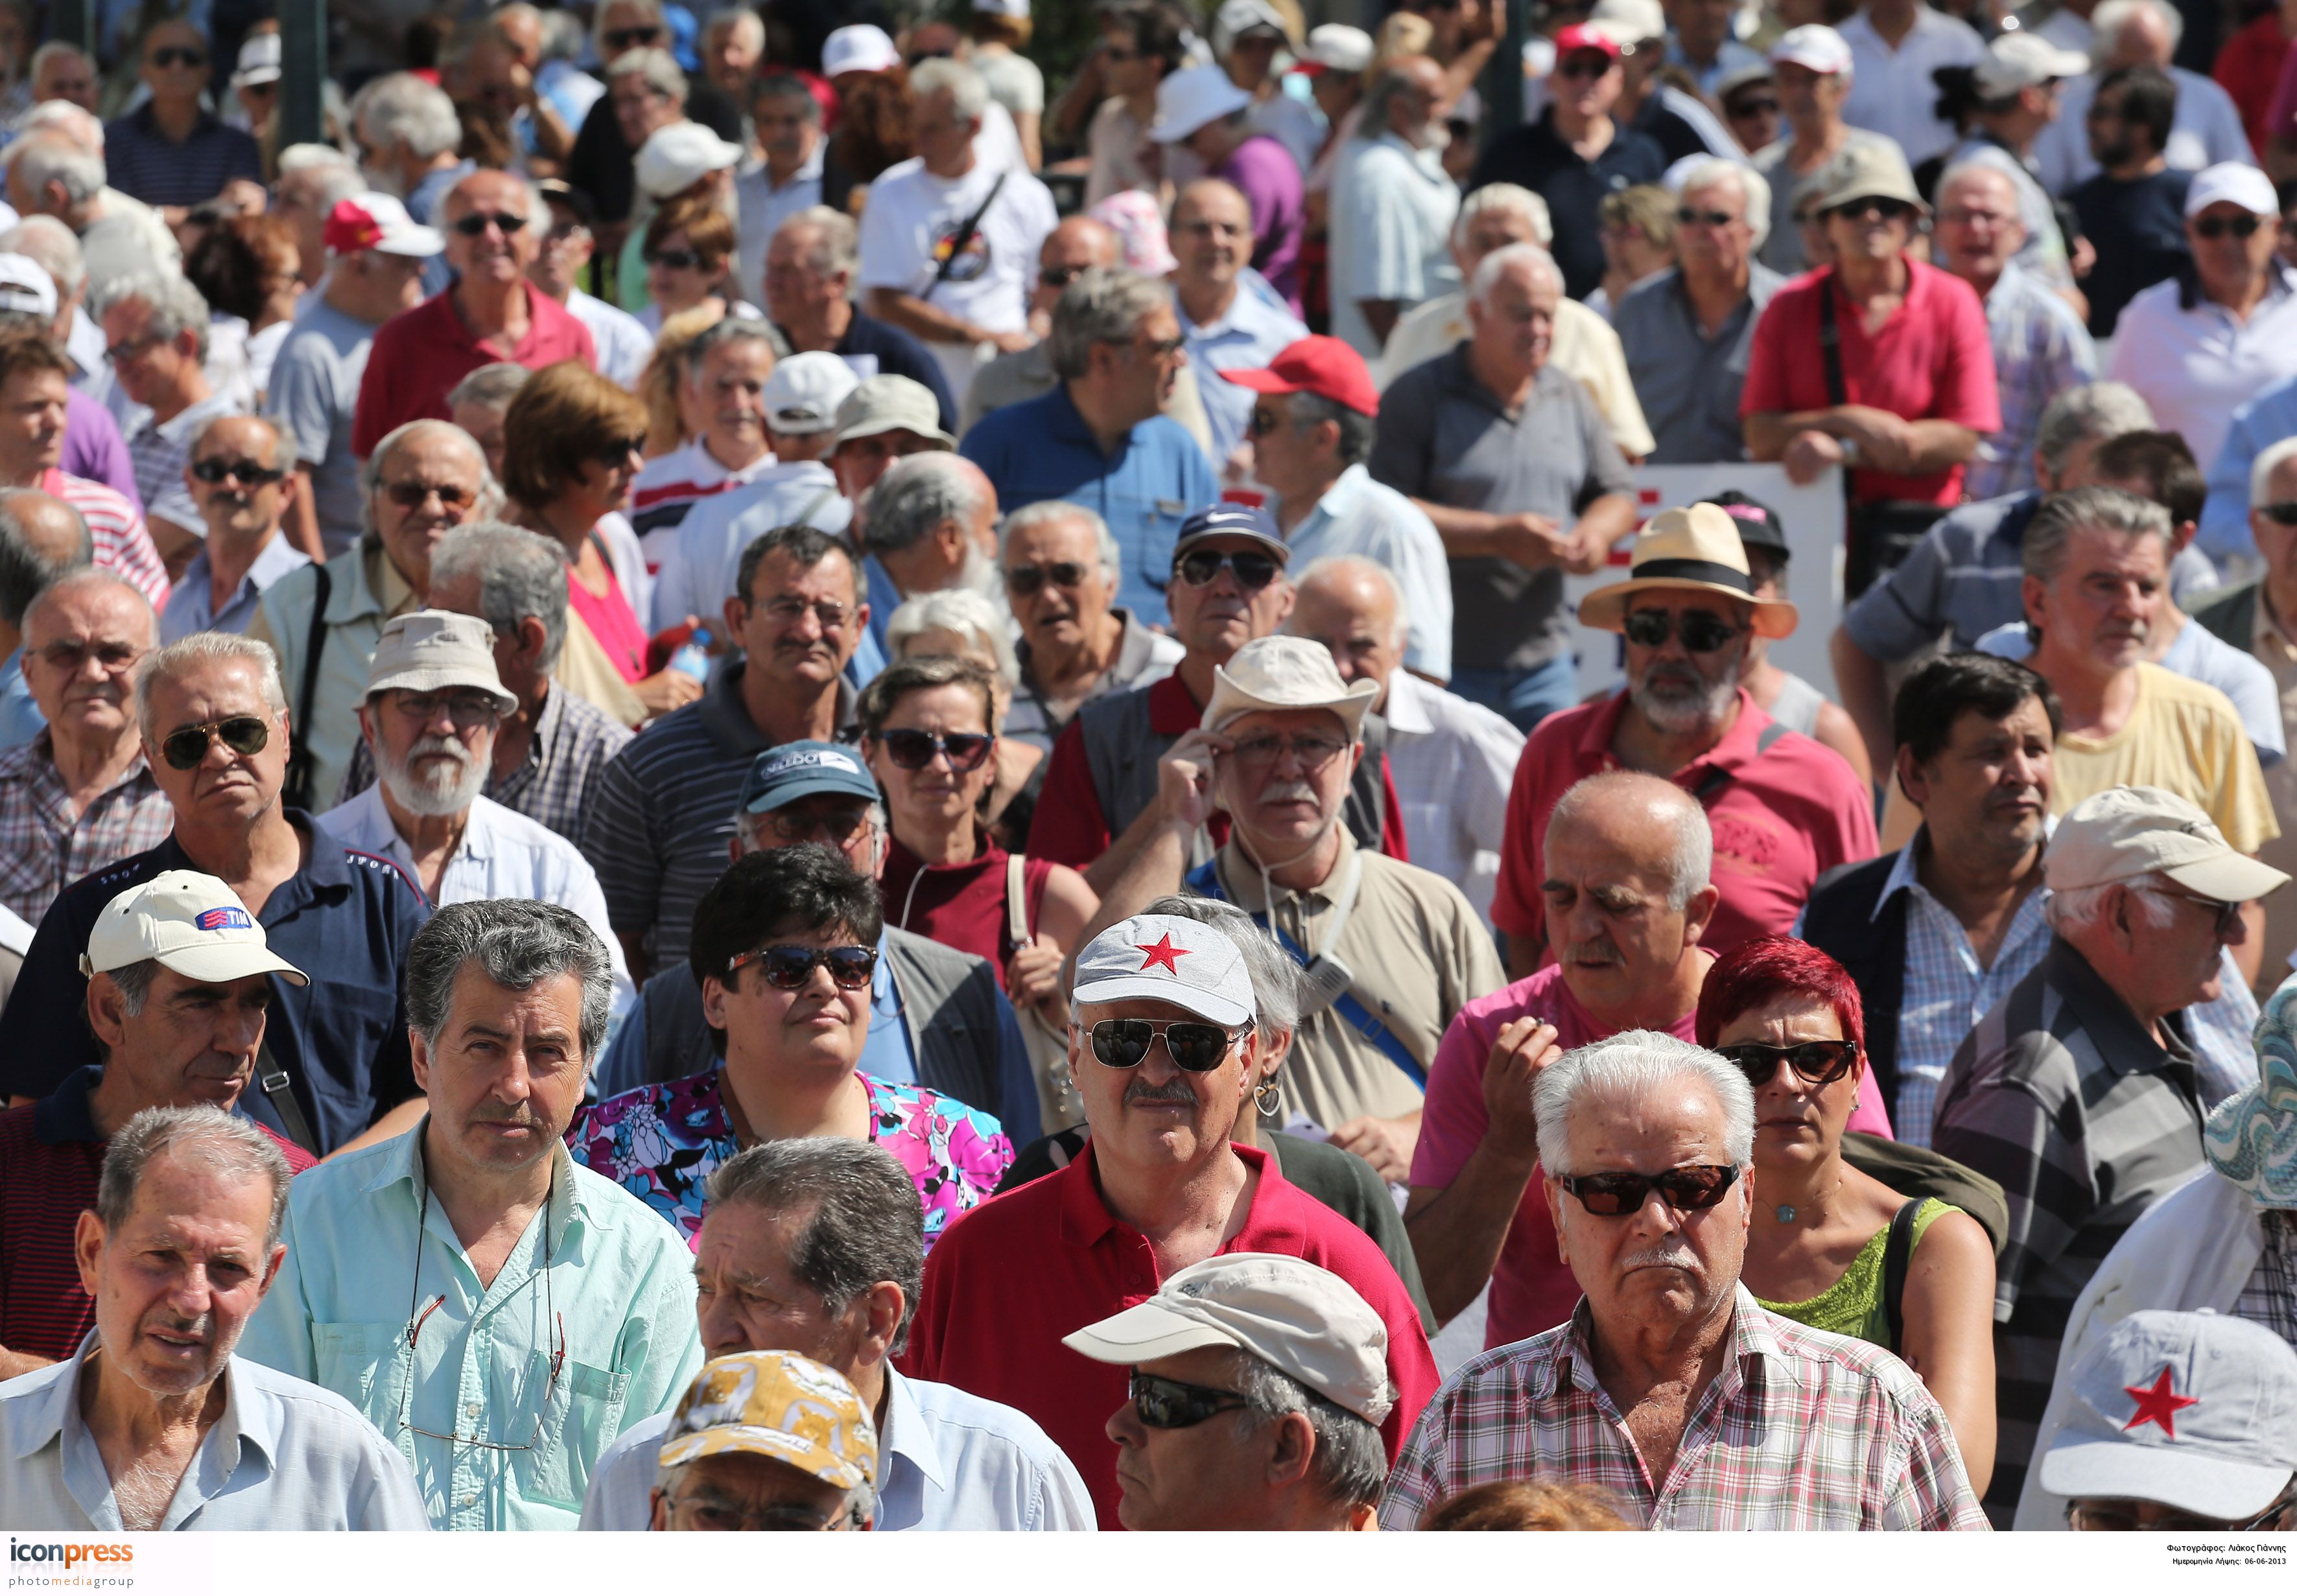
{"x":300,"y":760}
{"x":1830,"y":344}
{"x":1716,"y":780}
{"x":1897,"y":1256}
{"x":1016,"y":900}
{"x":279,"y":1087}
{"x":964,"y":236}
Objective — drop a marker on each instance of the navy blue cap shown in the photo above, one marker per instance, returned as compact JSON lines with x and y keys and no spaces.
{"x":796,"y":770}
{"x":1226,"y":520}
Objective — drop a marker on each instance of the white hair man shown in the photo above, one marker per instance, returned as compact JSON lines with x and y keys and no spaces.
{"x":932,"y":524}
{"x":56,"y":168}
{"x":724,"y":371}
{"x":41,"y":538}
{"x":408,"y":140}
{"x":810,"y":265}
{"x":156,"y":332}
{"x":52,"y":246}
{"x":2206,"y":128}
{"x":313,"y":180}
{"x":1061,"y":566}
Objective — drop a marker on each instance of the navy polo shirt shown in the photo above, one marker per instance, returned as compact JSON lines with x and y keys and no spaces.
{"x":1041,"y":448}
{"x":345,"y":920}
{"x":1541,"y":160}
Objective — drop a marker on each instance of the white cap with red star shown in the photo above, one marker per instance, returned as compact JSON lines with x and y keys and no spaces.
{"x":1173,"y":961}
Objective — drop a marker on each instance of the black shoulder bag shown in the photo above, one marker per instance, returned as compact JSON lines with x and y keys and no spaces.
{"x":297,"y":792}
{"x":964,"y":236}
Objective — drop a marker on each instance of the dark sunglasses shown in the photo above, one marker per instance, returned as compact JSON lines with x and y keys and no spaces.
{"x":2123,"y":1516}
{"x":1752,"y":108}
{"x":2218,"y":227}
{"x":187,"y":746}
{"x":614,"y":451}
{"x":176,"y":55}
{"x":677,"y":261}
{"x":1165,"y":1405}
{"x":1685,"y":217}
{"x":2283,"y":514}
{"x":2228,"y":914}
{"x":622,"y":38}
{"x":476,"y":223}
{"x":1253,"y":572}
{"x":1618,"y":1194}
{"x":913,"y":750}
{"x":1889,"y":210}
{"x":246,"y":471}
{"x":1594,"y":65}
{"x":789,"y":968}
{"x":1196,"y":1045}
{"x":1815,"y":1063}
{"x":1027,"y":580}
{"x":1059,"y":276}
{"x":412,"y":496}
{"x":1702,"y":631}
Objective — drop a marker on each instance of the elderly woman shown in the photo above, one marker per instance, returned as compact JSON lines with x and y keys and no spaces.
{"x":480,"y":402}
{"x":959,"y":624}
{"x":689,"y":245}
{"x":1828,"y":1243}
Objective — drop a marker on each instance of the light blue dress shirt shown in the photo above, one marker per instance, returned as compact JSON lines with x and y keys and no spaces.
{"x":950,"y":1461}
{"x":2266,"y":419}
{"x":20,"y":719}
{"x":191,"y":602}
{"x":1255,"y":331}
{"x":615,"y":1311}
{"x":1360,"y":516}
{"x":284,"y":1454}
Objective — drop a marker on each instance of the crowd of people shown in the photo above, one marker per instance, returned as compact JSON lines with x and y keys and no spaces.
{"x":913,"y":739}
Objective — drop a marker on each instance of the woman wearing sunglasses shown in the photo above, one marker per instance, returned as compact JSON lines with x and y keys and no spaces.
{"x":687,"y":247}
{"x":957,"y":623}
{"x":1828,"y":1242}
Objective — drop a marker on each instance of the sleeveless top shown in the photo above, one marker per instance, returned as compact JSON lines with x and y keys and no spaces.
{"x":1853,"y":1305}
{"x":960,"y":906}
{"x":1798,"y":706}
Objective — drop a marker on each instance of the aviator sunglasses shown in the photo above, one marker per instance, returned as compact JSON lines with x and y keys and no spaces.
{"x":1621,"y":1193}
{"x":187,"y":746}
{"x":1194,"y":1045}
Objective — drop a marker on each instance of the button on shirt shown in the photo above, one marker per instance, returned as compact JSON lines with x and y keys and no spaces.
{"x":192,"y":606}
{"x":282,"y":1455}
{"x":2040,"y":349}
{"x":359,"y":1246}
{"x":1359,"y":516}
{"x":45,"y":844}
{"x":1453,"y":762}
{"x":2194,"y":363}
{"x":1253,"y":331}
{"x":1890,"y":87}
{"x":1688,"y":381}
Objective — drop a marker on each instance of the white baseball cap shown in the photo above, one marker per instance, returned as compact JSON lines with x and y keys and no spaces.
{"x":1171,"y":959}
{"x":2231,"y":182}
{"x":1628,"y":21}
{"x":190,"y":922}
{"x":1236,"y":18}
{"x":2023,"y":60}
{"x":26,"y":287}
{"x":425,"y":651}
{"x":1187,"y":100}
{"x":862,"y":47}
{"x":259,"y":60}
{"x":2124,"y":833}
{"x":676,"y":158}
{"x":1015,"y":9}
{"x":805,"y":391}
{"x":1287,"y":673}
{"x":1337,"y":47}
{"x":1814,"y":47}
{"x":378,"y":222}
{"x":1301,"y":1320}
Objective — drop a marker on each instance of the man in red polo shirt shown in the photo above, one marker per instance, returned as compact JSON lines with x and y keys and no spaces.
{"x":1165,"y":1056}
{"x":494,"y":227}
{"x":179,"y":979}
{"x":1784,"y":809}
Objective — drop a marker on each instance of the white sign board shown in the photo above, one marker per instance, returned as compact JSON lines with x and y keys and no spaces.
{"x":1813,"y":518}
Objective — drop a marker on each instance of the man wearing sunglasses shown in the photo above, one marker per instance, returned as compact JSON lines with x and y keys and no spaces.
{"x":1079,"y":242}
{"x":2078,"y":1090}
{"x":240,"y":476}
{"x":155,"y":330}
{"x":1669,"y":1386}
{"x":171,"y":152}
{"x":1167,"y":1051}
{"x":1061,"y":565}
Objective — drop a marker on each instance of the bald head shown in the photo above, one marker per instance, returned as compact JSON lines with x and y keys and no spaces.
{"x":1212,"y":240}
{"x":1624,"y":886}
{"x":1644,"y":819}
{"x":1352,"y":606}
{"x":52,"y":527}
{"x":1081,"y":242}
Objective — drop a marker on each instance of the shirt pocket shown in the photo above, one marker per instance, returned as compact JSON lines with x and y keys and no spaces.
{"x":584,"y":1416}
{"x":360,"y":1363}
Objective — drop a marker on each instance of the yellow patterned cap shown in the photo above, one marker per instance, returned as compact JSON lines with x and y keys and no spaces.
{"x":776,"y":1405}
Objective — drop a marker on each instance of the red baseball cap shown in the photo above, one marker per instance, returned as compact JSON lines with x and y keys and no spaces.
{"x":1324,"y":366}
{"x":1586,"y":36}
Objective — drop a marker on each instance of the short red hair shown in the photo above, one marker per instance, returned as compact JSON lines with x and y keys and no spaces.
{"x":1762,"y":971}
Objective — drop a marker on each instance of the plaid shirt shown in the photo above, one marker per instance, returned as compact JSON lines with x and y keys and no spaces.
{"x":1800,"y":1430}
{"x":44,"y":846}
{"x":2040,"y":349}
{"x":2271,"y":1296}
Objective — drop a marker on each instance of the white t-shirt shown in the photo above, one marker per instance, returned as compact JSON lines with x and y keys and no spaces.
{"x":1014,"y":80}
{"x":1391,"y":222}
{"x":1891,"y":91}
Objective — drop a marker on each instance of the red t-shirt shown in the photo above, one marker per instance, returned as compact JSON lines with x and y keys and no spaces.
{"x":419,"y":355}
{"x":1008,"y":1280}
{"x":960,"y":906}
{"x":2249,"y":70}
{"x":1933,"y":360}
{"x":1782,"y":818}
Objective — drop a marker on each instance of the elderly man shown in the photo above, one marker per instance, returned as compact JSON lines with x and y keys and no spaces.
{"x":944,"y":238}
{"x":1313,"y":426}
{"x":171,"y":152}
{"x":241,"y":476}
{"x":313,"y":180}
{"x":36,"y":390}
{"x":1685,"y":1399}
{"x":410,"y":143}
{"x":1784,"y":809}
{"x":1227,"y":321}
{"x":1061,"y":566}
{"x":156,"y":331}
{"x":765,"y":1441}
{"x":1399,"y":950}
{"x":2078,"y":1091}
{"x":880,"y":420}
{"x":1814,"y":67}
{"x":1080,"y":242}
{"x":1159,"y":1187}
{"x":1294,"y":1352}
{"x":2041,"y":348}
{"x":1391,"y":208}
{"x":78,"y":797}
{"x":1200,"y":111}
{"x":789,"y":175}
{"x":1101,"y":437}
{"x":658,"y":822}
{"x":809,"y":274}
{"x":2133,"y":210}
{"x":2015,"y":100}
{"x":179,"y":1007}
{"x":374,"y":257}
{"x":60,"y":172}
{"x":494,"y":225}
{"x":2207,"y":127}
{"x":932,"y":525}
{"x":1509,"y":460}
{"x":155,"y":1424}
{"x":645,"y":90}
{"x":1689,"y":332}
{"x":41,"y":538}
{"x":726,"y":368}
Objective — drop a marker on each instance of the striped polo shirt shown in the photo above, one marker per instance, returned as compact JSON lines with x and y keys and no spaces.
{"x":123,"y":544}
{"x":2062,"y":1097}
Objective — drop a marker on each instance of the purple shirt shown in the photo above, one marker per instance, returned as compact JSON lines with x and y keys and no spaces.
{"x":95,"y":450}
{"x":1270,"y":180}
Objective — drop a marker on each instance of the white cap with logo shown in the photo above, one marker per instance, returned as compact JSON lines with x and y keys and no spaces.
{"x":1172,"y":960}
{"x":805,"y":391}
{"x":2125,"y":832}
{"x":192,"y":923}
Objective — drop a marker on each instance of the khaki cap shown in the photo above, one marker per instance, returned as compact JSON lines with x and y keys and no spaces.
{"x":2124,"y":833}
{"x":887,"y":404}
{"x":1287,"y":673}
{"x":1866,"y":171}
{"x":423,"y":651}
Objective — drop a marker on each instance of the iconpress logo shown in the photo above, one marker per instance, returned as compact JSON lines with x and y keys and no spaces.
{"x":68,"y":1565}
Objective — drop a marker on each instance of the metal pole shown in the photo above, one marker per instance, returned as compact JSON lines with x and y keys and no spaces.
{"x":73,"y":23}
{"x":1501,"y":84}
{"x":303,"y":59}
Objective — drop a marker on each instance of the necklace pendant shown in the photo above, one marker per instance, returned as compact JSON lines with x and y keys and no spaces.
{"x":1786,"y":1214}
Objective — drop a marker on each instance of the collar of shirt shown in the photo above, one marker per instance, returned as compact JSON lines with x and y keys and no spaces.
{"x":35,"y":762}
{"x":2124,"y":1045}
{"x":1428,"y":161}
{"x":2280,"y":283}
{"x":1573,"y":1359}
{"x":908,"y":1437}
{"x":1173,"y":708}
{"x":1406,"y":710}
{"x":548,"y":724}
{"x":808,"y":170}
{"x":324,"y":872}
{"x":1461,"y":381}
{"x":364,"y":823}
{"x":375,"y":588}
{"x":85,"y":344}
{"x":274,"y":560}
{"x":1906,"y":870}
{"x":146,"y":120}
{"x":1248,"y":316}
{"x":1068,"y":426}
{"x":1086,"y":1219}
{"x":183,"y":425}
{"x":1338,"y":503}
{"x":727,"y":718}
{"x":1240,"y":879}
{"x":64,"y":1115}
{"x":402,"y":1160}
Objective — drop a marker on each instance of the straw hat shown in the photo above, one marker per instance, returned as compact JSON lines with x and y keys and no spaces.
{"x":1698,"y":549}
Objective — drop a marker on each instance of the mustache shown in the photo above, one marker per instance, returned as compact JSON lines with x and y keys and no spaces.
{"x":201,"y":1327}
{"x":1598,"y":951}
{"x":429,"y":747}
{"x":1174,"y":1091}
{"x":1675,"y":1254}
{"x":520,"y":1118}
{"x":1289,"y":792}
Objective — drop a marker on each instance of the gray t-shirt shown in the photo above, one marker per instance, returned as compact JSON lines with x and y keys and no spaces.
{"x":1443,"y":438}
{"x":1688,"y":382}
{"x":315,"y":385}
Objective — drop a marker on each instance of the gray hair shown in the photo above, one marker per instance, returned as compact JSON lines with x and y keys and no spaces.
{"x":1362,"y":565}
{"x":1350,"y":1465}
{"x":969,"y":94}
{"x":837,"y":244}
{"x":489,"y":500}
{"x":658,"y":67}
{"x":863,"y":1221}
{"x":162,"y":664}
{"x":58,"y":158}
{"x":1102,"y":304}
{"x":2269,"y":459}
{"x":1501,"y":261}
{"x":79,"y":575}
{"x":2078,"y":908}
{"x":916,"y":493}
{"x":1691,"y":862}
{"x":726,"y":330}
{"x":954,"y":610}
{"x":651,"y":10}
{"x":1358,"y":431}
{"x":24,"y":575}
{"x":314,"y":157}
{"x":176,"y":307}
{"x":520,"y":573}
{"x":1754,"y":189}
{"x":399,"y":108}
{"x":2107,"y":21}
{"x":2091,"y":413}
{"x":1275,"y":977}
{"x":1379,"y":100}
{"x":1637,"y":1064}
{"x":739,"y":17}
{"x":224,"y":1143}
{"x":134,"y":982}
{"x":1045,"y":512}
{"x":1510,"y":197}
{"x":493,"y":385}
{"x":785,"y":86}
{"x":55,"y":49}
{"x":516,"y":943}
{"x":52,"y":246}
{"x":2107,"y":509}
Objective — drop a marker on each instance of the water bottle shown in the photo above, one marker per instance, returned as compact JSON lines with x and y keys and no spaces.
{"x":693,"y":657}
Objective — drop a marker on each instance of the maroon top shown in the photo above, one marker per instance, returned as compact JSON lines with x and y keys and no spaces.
{"x":419,"y":355}
{"x":962,"y":906}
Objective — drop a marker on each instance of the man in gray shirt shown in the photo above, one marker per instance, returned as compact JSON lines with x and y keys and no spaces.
{"x":1517,"y":469}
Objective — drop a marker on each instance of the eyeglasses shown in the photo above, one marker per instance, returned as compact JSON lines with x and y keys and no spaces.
{"x":1585,"y":66}
{"x":839,"y":828}
{"x":1160,"y":348}
{"x":676,"y":260}
{"x":1059,"y":276}
{"x":246,"y":471}
{"x":468,"y":708}
{"x":178,"y":56}
{"x":616,"y":451}
{"x":1313,"y":753}
{"x":509,"y":223}
{"x":789,"y":612}
{"x":1196,"y":1045}
{"x":1253,"y":572}
{"x":111,"y":658}
{"x":128,"y":349}
{"x":1263,"y":423}
{"x":708,"y":1510}
{"x":2228,"y":914}
{"x":2218,"y":227}
{"x":415,"y":1321}
{"x":913,"y":750}
{"x":1752,"y":108}
{"x":1815,"y":1063}
{"x":1621,"y":1193}
{"x":244,"y":735}
{"x":1685,"y":217}
{"x":1165,"y":1405}
{"x":789,"y":968}
{"x":1859,"y":210}
{"x":2124,"y":1516}
{"x":623,"y":39}
{"x":414,"y":496}
{"x":1027,"y":580}
{"x":2283,"y":514}
{"x":1702,"y":631}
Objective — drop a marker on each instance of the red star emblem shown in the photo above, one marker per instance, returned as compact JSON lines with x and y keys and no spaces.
{"x":1161,"y":952}
{"x":2158,"y":1405}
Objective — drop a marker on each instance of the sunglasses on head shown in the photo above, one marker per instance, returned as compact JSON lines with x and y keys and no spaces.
{"x":622,"y":38}
{"x":187,"y":746}
{"x":1815,"y":1063}
{"x":676,"y":260}
{"x":177,"y":55}
{"x":475,"y":224}
{"x":1253,"y":572}
{"x":246,"y":471}
{"x":913,"y":750}
{"x":1196,"y":1045}
{"x":1165,"y":1405}
{"x":789,"y":968}
{"x":1617,"y":1194}
{"x":1702,"y":631}
{"x":2218,"y":227}
{"x":1026,"y":581}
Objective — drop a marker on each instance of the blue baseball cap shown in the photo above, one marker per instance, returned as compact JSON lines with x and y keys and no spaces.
{"x":1225,"y":520}
{"x":796,"y":770}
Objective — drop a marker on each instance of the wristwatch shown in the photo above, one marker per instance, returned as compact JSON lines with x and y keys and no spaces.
{"x":1849,"y":450}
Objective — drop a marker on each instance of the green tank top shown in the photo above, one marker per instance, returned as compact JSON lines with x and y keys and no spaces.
{"x":1854,"y":1305}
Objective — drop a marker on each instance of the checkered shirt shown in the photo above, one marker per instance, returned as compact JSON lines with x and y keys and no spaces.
{"x":2040,"y":349}
{"x":2271,"y":1296}
{"x":1800,"y":1430}
{"x":45,"y":847}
